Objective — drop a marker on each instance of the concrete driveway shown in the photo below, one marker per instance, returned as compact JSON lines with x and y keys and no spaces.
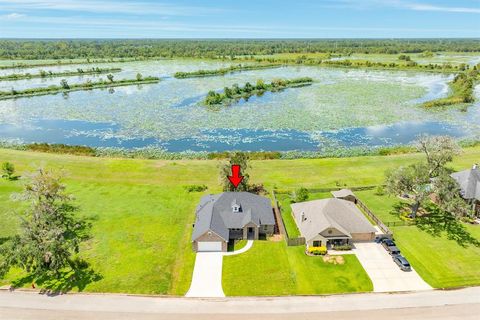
{"x":385,"y":274}
{"x":207,"y":273}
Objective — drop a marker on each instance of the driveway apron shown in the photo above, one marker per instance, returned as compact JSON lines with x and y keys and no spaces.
{"x":207,"y":276}
{"x":384,"y":272}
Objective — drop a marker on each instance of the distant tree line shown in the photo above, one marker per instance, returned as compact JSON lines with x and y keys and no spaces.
{"x":71,"y":49}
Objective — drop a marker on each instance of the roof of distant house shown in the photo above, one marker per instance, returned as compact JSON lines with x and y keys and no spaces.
{"x":469,"y":181}
{"x":216,"y":213}
{"x":342,"y":193}
{"x":315,"y":216}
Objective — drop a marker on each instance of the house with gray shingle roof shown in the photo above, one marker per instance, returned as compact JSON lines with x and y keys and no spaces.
{"x":469,"y":182}
{"x":331,"y":222}
{"x":231,"y":216}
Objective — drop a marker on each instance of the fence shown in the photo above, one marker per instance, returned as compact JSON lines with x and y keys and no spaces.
{"x":372,"y":216}
{"x":278,"y":216}
{"x":399,"y":224}
{"x":318,"y":190}
{"x":291,"y":242}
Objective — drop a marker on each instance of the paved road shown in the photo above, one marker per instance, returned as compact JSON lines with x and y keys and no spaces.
{"x":458,"y":304}
{"x":463,"y":312}
{"x":385,"y":274}
{"x":207,"y":273}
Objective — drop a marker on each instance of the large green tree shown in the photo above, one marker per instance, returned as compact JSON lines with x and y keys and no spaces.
{"x":241,"y":159}
{"x":413,"y":181}
{"x":431,"y":176}
{"x":447,"y":196}
{"x":50,"y":233}
{"x":438,"y":150}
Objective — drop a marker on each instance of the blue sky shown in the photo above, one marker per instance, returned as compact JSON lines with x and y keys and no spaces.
{"x":239,"y":19}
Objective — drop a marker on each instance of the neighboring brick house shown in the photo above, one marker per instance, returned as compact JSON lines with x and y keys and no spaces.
{"x":231,"y":215}
{"x":469,"y":182}
{"x":331,"y":222}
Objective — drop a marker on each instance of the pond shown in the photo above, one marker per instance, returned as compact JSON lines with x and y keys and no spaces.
{"x":344,"y":108}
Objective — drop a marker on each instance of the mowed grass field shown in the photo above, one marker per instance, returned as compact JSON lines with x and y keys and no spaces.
{"x":271,"y":268}
{"x":142,"y":218}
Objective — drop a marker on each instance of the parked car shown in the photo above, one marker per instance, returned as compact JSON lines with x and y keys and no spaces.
{"x":387,"y":243}
{"x":402,"y":262}
{"x":380,"y":238}
{"x":393,"y":250}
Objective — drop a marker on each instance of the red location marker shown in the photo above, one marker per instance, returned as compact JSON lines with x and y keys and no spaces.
{"x":235,"y":178}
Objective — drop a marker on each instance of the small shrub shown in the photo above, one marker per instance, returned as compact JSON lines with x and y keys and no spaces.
{"x":64,"y":84}
{"x":318,"y":251}
{"x":8,"y":170}
{"x":343,"y":247}
{"x":195,"y":188}
{"x":300,"y":195}
{"x":379,"y":191}
{"x":257,"y":188}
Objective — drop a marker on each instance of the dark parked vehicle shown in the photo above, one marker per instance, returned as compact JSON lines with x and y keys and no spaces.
{"x":388,"y":243}
{"x":392,"y":250}
{"x":402,"y":263}
{"x":380,"y":238}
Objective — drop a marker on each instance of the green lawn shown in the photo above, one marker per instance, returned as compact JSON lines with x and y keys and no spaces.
{"x":440,"y":262}
{"x":271,"y":268}
{"x":236,"y":245}
{"x":142,"y":216}
{"x":382,"y":206}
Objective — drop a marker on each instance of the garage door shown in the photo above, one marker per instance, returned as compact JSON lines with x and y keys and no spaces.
{"x":210,"y":246}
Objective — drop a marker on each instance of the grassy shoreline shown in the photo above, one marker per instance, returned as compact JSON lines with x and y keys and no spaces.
{"x":69,"y":62}
{"x":223,"y":71}
{"x":462,"y":88}
{"x":4,"y":95}
{"x":50,"y":74}
{"x":161,"y":154}
{"x":360,"y":64}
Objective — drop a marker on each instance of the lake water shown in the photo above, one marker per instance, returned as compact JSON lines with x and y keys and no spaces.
{"x":346,"y":108}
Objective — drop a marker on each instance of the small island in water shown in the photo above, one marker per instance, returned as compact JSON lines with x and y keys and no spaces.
{"x":235,"y":92}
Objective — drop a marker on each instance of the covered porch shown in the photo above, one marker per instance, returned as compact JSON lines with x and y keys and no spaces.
{"x":329,"y":242}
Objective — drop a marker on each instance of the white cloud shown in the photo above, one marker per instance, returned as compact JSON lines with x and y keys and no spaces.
{"x":427,"y":7}
{"x":12,"y":16}
{"x":399,"y":4}
{"x":109,"y":6}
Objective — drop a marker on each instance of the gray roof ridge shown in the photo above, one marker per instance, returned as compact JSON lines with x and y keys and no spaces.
{"x":335,"y":223}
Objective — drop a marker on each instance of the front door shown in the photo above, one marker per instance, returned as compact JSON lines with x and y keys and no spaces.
{"x":250,"y":233}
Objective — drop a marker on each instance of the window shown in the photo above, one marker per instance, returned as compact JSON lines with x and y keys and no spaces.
{"x":317,"y":243}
